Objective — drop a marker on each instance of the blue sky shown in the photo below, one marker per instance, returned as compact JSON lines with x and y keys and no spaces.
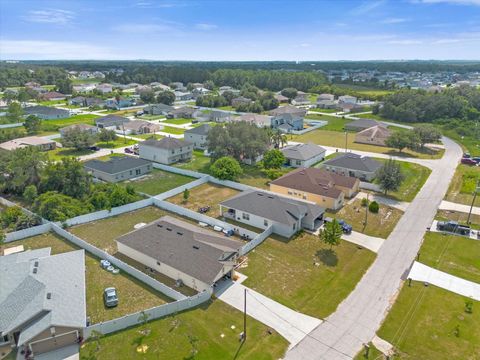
{"x":240,"y":29}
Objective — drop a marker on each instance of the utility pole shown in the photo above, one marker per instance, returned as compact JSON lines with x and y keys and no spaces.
{"x":346,"y":135}
{"x":473,"y":201}
{"x":245,"y":315}
{"x":366,"y":212}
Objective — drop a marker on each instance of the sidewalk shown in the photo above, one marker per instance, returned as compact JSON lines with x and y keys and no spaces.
{"x":448,"y":205}
{"x":400,"y":205}
{"x":421,"y":272}
{"x":292,"y":325}
{"x":368,"y":242}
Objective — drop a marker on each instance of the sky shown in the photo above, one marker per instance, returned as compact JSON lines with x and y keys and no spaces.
{"x":239,"y":30}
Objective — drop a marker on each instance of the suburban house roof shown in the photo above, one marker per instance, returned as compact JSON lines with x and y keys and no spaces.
{"x":361,"y":124}
{"x":354,"y":162}
{"x":44,"y":110}
{"x":257,"y":119}
{"x":273,"y":207}
{"x":24,"y":142}
{"x":280,"y":97}
{"x":160,"y":107}
{"x":376,"y":132}
{"x":192,"y":250}
{"x":110,"y":120}
{"x":183,"y":110}
{"x":116,"y":164}
{"x":325,"y":97}
{"x":81,"y":127}
{"x":40,"y":290}
{"x":136,"y":125}
{"x":220,"y":114}
{"x":199,"y":130}
{"x":302,"y":151}
{"x":168,"y":143}
{"x":53,"y":95}
{"x":316,"y":181}
{"x":288,"y":109}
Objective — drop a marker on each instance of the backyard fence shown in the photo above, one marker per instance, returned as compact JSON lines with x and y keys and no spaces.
{"x":260,"y":238}
{"x":155,"y":284}
{"x":370,"y":186}
{"x":230,"y":184}
{"x":8,"y":126}
{"x":102,"y":214}
{"x":318,"y":124}
{"x":180,"y":189}
{"x":176,"y":170}
{"x":127,"y":321}
{"x":25,"y":233}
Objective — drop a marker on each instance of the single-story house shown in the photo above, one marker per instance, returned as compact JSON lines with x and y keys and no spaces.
{"x":81,"y":127}
{"x":111,"y":122}
{"x":176,"y":85}
{"x":104,"y":88}
{"x":86,"y":101}
{"x":303,"y":155}
{"x":348,"y":107}
{"x":301,"y":99}
{"x":186,"y":112}
{"x":257,"y":119}
{"x":327,"y":104}
{"x":31,"y":84}
{"x":198,"y":136}
{"x":375,"y":135}
{"x":350,"y":164}
{"x":167,"y":151}
{"x":241,"y":101}
{"x":220,"y":116}
{"x":182,"y":251}
{"x":281,"y":99}
{"x":322,"y":97}
{"x":52,"y":96}
{"x":157,"y":109}
{"x":347,"y":99}
{"x":137,"y":127}
{"x":42,"y":300}
{"x":83,"y":88}
{"x":324,"y":188}
{"x":42,"y":143}
{"x":287,"y":118}
{"x":46,"y":112}
{"x":262,"y":209}
{"x":183,"y":96}
{"x":119,"y":104}
{"x":361,"y":124}
{"x":118,"y":168}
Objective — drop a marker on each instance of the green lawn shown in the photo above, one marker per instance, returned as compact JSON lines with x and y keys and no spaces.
{"x":52,"y":102}
{"x":213,"y":328}
{"x":463,"y":184}
{"x":159,"y":181}
{"x":415,"y":177}
{"x":199,"y":162}
{"x":179,"y":121}
{"x":456,"y":255}
{"x":148,"y":136}
{"x":54,"y":125}
{"x":378,"y":225}
{"x":227,"y":108}
{"x":60,"y":153}
{"x":133,"y":294}
{"x":422,"y":323}
{"x":152,"y":117}
{"x":173,"y":130}
{"x":337,"y":139}
{"x":334,"y":123}
{"x":304,"y":274}
{"x":373,"y":354}
{"x":469,"y":143}
{"x":372,"y":116}
{"x":86,"y":81}
{"x":324,"y":110}
{"x":119,"y":142}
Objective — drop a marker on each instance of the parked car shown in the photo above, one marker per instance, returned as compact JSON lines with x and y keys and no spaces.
{"x":467,"y":155}
{"x":468,"y":161}
{"x":128,"y":151}
{"x":476,"y":159}
{"x":110,"y":297}
{"x":347,"y":228}
{"x":94,"y":148}
{"x":453,"y":227}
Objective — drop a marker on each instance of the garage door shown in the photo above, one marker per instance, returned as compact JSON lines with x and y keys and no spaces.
{"x":54,"y":343}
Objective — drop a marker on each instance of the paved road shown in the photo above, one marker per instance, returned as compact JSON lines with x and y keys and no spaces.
{"x":358,"y":317}
{"x":291,"y":324}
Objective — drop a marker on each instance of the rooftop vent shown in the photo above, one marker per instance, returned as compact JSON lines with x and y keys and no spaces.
{"x":160,"y":225}
{"x":196,"y":247}
{"x":35,"y":270}
{"x":49,"y":296}
{"x":260,"y":194}
{"x":270,"y":197}
{"x":35,"y":264}
{"x":179,"y":233}
{"x":168,"y":229}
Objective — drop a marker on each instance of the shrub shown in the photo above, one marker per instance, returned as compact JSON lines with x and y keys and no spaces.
{"x":226,"y":168}
{"x":374,"y":207}
{"x":364,"y":202}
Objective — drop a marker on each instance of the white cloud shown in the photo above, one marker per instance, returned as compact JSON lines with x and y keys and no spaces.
{"x":394,"y":20}
{"x":453,"y":2}
{"x":50,"y":16}
{"x":405,"y":42}
{"x":366,"y":7}
{"x":133,"y":28}
{"x":40,"y":49}
{"x":305,"y":45}
{"x":205,"y":26}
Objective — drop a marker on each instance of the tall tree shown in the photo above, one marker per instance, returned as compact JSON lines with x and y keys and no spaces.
{"x":166,"y":97}
{"x":78,"y":139}
{"x":273,"y":159}
{"x":14,"y":112}
{"x":400,"y":140}
{"x":32,"y":124}
{"x":427,"y":134}
{"x":331,"y":233}
{"x":390,"y":176}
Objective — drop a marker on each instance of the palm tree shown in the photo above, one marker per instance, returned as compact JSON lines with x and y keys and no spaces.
{"x":277,"y":138}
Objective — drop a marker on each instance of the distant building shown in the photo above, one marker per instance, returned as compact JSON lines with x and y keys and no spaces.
{"x":241,"y":101}
{"x":354,"y":165}
{"x":375,"y":135}
{"x":183,"y":112}
{"x":198,"y":136}
{"x":111,"y":122}
{"x":118,"y":168}
{"x":39,"y":142}
{"x":157,"y":109}
{"x":52,"y":96}
{"x":81,"y":127}
{"x":361,"y":124}
{"x":220,"y":116}
{"x":303,"y":155}
{"x":281,"y":99}
{"x":329,"y":97}
{"x":46,"y":112}
{"x":287,"y":118}
{"x":138,"y":127}
{"x":257,"y":119}
{"x":347,"y":99}
{"x":104,"y":88}
{"x":166,"y":151}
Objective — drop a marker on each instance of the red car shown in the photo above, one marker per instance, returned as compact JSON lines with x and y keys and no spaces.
{"x":468,"y":161}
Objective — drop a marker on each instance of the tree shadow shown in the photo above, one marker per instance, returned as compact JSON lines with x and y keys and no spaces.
{"x":328,"y":257}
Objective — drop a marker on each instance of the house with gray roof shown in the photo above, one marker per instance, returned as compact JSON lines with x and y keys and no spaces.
{"x":262,"y":209}
{"x":118,"y":168}
{"x":361,"y":124}
{"x":78,"y":127}
{"x":166,"y":151}
{"x":220,"y":116}
{"x":46,"y":112}
{"x":42,"y":300}
{"x":303,"y":155}
{"x":198,"y":136}
{"x":186,"y":112}
{"x":111,"y":122}
{"x":157,"y":109}
{"x":350,"y":164}
{"x":182,"y":251}
{"x":287,"y":118}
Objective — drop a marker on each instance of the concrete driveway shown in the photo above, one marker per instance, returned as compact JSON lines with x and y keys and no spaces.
{"x":292,"y":325}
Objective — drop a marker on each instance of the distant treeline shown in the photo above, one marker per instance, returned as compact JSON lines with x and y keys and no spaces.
{"x":18,"y":75}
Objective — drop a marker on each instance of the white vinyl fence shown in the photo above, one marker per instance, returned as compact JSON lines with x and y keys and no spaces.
{"x":25,"y":233}
{"x":180,"y":189}
{"x":180,"y":171}
{"x":230,"y":184}
{"x":260,"y":238}
{"x":370,"y":186}
{"x":164,"y":289}
{"x":316,"y":125}
{"x":127,"y":321}
{"x":9,"y":203}
{"x":8,"y":126}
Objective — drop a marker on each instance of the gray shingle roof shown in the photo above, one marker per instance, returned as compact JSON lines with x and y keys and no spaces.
{"x":288,"y":109}
{"x":168,"y":143}
{"x":45,"y":110}
{"x":354,"y":162}
{"x":302,"y":151}
{"x":116,"y":164}
{"x":111,"y":120}
{"x":199,"y":130}
{"x":361,"y":124}
{"x":273,"y":207}
{"x":23,"y":294}
{"x":183,"y":246}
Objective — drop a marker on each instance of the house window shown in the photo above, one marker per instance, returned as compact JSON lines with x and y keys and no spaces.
{"x":138,"y":172}
{"x":173,"y":151}
{"x":294,"y":226}
{"x":265,"y":222}
{"x":289,"y":192}
{"x":131,"y":172}
{"x":245,"y":216}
